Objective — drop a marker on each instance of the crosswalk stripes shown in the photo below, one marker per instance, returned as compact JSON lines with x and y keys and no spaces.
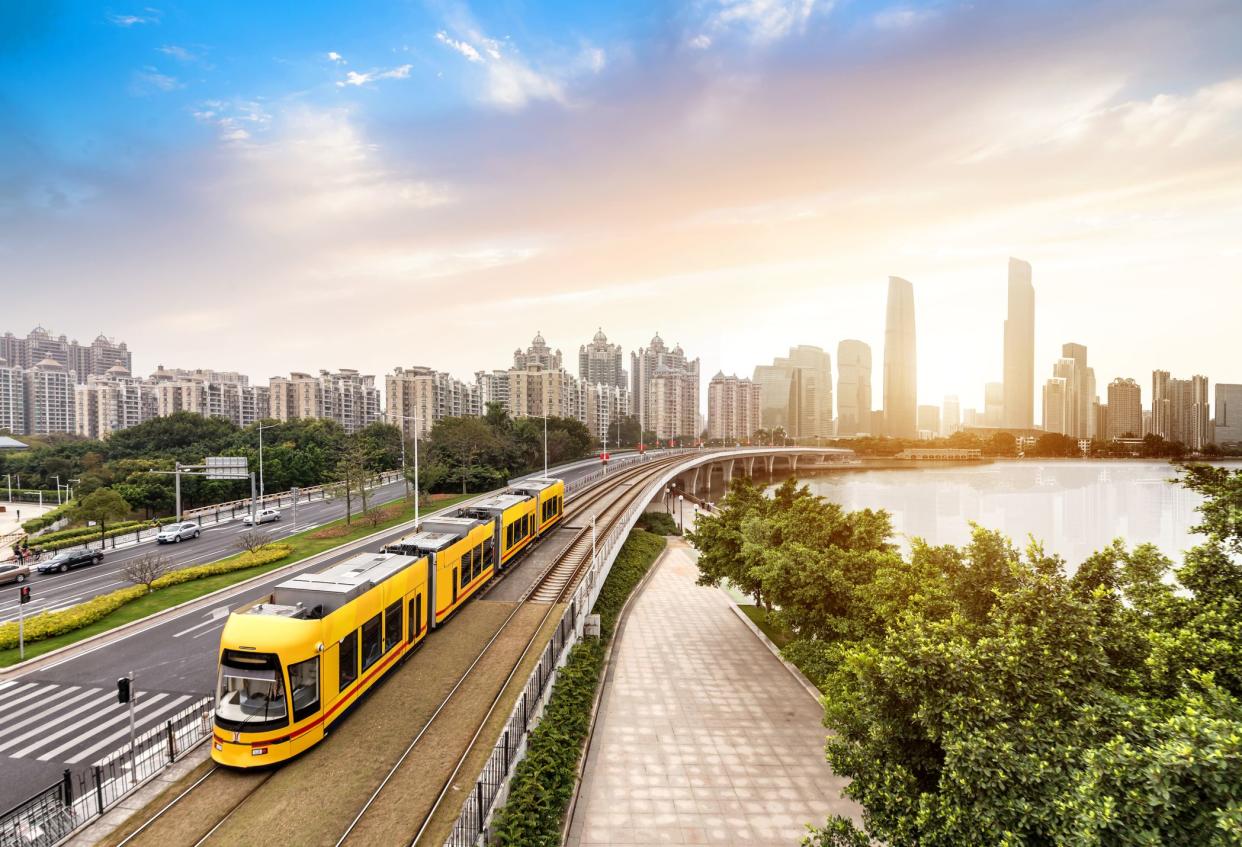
{"x":71,"y":724}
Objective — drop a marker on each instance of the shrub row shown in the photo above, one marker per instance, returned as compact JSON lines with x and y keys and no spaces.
{"x":661,"y":523}
{"x":86,"y":532}
{"x":543,"y":781}
{"x":264,"y":556}
{"x":50,"y":624}
{"x":48,"y":518}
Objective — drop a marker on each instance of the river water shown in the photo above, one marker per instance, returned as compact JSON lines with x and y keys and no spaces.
{"x":1073,"y":507}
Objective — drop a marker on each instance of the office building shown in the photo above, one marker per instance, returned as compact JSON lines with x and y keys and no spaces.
{"x":734,"y":408}
{"x":993,"y":404}
{"x":900,"y":371}
{"x":678,"y":406}
{"x":929,"y":421}
{"x":601,"y":363}
{"x":1124,"y":414}
{"x":1019,"y":377}
{"x":853,"y":388}
{"x":1180,"y":409}
{"x":49,"y":402}
{"x":1057,"y":405}
{"x":951,"y":418}
{"x":796,"y":391}
{"x":1228,"y":414}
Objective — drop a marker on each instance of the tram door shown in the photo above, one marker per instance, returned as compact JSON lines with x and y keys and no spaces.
{"x":416,"y":617}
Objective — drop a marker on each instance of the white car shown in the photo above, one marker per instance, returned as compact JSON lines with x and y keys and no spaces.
{"x":174,"y":533}
{"x":263,"y":516}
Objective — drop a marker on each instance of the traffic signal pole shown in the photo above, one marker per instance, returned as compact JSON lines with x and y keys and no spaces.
{"x":23,"y":599}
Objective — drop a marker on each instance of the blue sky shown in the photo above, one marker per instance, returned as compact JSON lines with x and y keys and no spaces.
{"x":430,"y":183}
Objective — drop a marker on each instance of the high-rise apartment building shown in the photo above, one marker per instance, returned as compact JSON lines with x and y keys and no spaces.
{"x":1125,"y":409}
{"x":1081,"y":391}
{"x":419,"y":396}
{"x":853,"y":388}
{"x":1228,"y":413}
{"x":491,"y":387}
{"x":677,"y":414}
{"x":538,"y":353}
{"x":1180,"y":409}
{"x":163,"y":374}
{"x":1019,"y":377}
{"x":12,"y":399}
{"x":601,"y":363}
{"x":213,"y":394}
{"x":110,"y":403}
{"x":734,"y":408}
{"x":81,"y":360}
{"x":347,"y":397}
{"x":49,"y":398}
{"x":951,"y":418}
{"x":900,"y":371}
{"x":606,"y":405}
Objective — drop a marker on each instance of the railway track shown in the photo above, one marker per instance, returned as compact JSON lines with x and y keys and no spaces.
{"x":605,"y":504}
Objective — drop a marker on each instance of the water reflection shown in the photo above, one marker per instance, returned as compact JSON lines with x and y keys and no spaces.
{"x":1074,"y":508}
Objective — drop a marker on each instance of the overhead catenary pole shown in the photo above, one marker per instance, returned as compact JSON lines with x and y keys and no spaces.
{"x":177,"y":486}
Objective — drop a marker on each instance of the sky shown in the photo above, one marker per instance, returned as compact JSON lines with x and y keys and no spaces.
{"x":279,"y":186}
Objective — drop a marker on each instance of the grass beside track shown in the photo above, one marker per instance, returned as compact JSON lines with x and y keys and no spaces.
{"x":777,"y":634}
{"x":165,"y":598}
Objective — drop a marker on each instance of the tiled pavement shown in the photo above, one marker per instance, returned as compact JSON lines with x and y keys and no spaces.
{"x":703,"y":735}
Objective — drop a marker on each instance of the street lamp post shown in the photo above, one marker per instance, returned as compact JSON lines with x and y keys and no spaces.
{"x":681,"y":513}
{"x":57,"y":478}
{"x":8,"y":478}
{"x":417,"y":422}
{"x":261,"y":428}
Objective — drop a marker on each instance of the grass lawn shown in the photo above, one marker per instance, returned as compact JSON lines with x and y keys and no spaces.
{"x":778,"y":634}
{"x":165,"y":598}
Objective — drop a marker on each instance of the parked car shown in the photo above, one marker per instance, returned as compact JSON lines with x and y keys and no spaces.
{"x":174,"y":533}
{"x":262,"y":516}
{"x":13,"y":572}
{"x":66,"y":559}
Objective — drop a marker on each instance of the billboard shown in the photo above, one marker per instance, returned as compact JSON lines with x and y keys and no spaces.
{"x":227,"y":467}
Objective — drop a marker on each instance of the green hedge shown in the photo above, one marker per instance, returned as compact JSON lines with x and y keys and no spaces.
{"x":543,"y":781}
{"x":61,"y":621}
{"x":661,"y":523}
{"x":86,"y":532}
{"x":48,"y":518}
{"x":51,"y":624}
{"x":265,"y":556}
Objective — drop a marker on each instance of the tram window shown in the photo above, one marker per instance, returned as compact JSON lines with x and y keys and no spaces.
{"x":348,"y":659}
{"x":465,"y":573}
{"x":392,"y":626}
{"x":478,"y":560}
{"x":304,"y":682}
{"x":371,"y":642}
{"x":508,"y":536}
{"x":489,"y":553}
{"x":416,"y":617}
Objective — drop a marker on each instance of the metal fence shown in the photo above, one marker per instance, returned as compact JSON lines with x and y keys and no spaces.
{"x":54,"y":813}
{"x":491,"y":787}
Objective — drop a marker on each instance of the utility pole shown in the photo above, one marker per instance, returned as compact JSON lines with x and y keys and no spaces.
{"x":261,"y":489}
{"x":177,"y":486}
{"x":57,"y":478}
{"x":417,"y":421}
{"x":295,"y":493}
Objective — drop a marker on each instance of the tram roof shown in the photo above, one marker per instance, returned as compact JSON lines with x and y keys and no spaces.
{"x":500,"y":502}
{"x":361,"y":571}
{"x":537,"y":484}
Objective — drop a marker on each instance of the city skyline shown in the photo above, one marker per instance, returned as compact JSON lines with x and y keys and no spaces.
{"x":360,"y":197}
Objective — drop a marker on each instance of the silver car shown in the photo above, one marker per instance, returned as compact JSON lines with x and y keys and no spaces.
{"x":173,"y":533}
{"x":263,"y":516}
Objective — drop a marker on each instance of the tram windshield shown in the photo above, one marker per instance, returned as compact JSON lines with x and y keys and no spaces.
{"x":250,"y":698}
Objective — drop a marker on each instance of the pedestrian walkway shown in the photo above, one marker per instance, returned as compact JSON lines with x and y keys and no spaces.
{"x":703,"y":735}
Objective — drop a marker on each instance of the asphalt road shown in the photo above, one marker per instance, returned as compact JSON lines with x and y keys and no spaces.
{"x":218,"y":541}
{"x":64,"y":715}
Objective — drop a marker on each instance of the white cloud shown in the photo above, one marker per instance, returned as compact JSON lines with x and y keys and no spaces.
{"x":179,"y":53}
{"x":356,"y":79}
{"x":762,"y":21}
{"x":901,"y":17}
{"x":461,"y":47}
{"x":336,"y":57}
{"x":149,"y":80}
{"x":701,"y":41}
{"x":237,"y":121}
{"x":150,"y":16}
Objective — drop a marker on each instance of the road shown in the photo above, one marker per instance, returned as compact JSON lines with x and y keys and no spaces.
{"x":64,"y":715}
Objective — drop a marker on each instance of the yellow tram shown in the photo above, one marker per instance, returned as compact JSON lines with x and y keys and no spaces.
{"x":293,"y":663}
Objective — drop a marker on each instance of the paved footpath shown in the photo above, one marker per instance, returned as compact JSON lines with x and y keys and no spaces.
{"x":703,"y":736}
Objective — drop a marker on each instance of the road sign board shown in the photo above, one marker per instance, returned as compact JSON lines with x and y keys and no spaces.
{"x":227,"y":467}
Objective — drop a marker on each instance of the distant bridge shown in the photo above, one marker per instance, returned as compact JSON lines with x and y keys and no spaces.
{"x":697,"y":473}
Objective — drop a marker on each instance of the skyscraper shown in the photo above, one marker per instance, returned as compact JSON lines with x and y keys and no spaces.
{"x":1056,"y":406}
{"x":1160,"y":405}
{"x":951,"y":419}
{"x":1020,"y":348}
{"x":853,"y":388}
{"x":1179,"y":409}
{"x":1228,"y":413}
{"x":900,"y":374}
{"x":993,"y":404}
{"x":1080,"y":392}
{"x":797,"y":392}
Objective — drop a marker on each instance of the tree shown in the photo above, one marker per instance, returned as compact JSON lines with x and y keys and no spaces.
{"x":101,"y":506}
{"x":460,"y":445}
{"x":145,"y":569}
{"x":252,"y":541}
{"x":352,"y":474}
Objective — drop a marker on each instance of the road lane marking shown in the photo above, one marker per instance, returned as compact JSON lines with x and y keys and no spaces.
{"x":215,"y":615}
{"x":8,"y":716}
{"x":44,"y":715}
{"x":210,"y":631}
{"x":82,"y":724}
{"x":4,"y":696}
{"x":51,"y":722}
